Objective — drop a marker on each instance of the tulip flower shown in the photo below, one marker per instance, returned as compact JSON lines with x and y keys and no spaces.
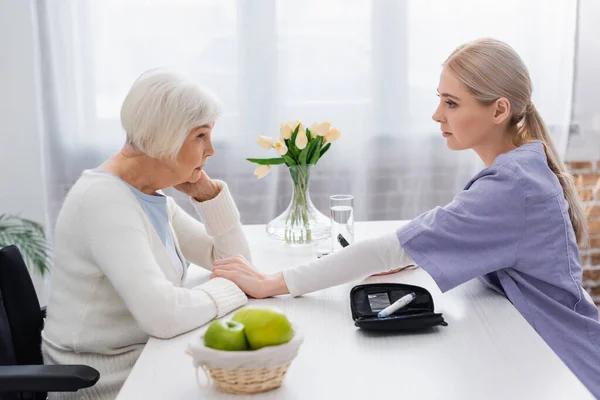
{"x":320,"y":129}
{"x":265,"y":142}
{"x":301,"y":138}
{"x":294,"y":124}
{"x":281,"y":148}
{"x":286,"y":130}
{"x":332,"y":135}
{"x":261,"y":171}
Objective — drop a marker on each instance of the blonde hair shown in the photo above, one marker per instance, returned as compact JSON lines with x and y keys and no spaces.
{"x":161,"y":109}
{"x":491,"y":69}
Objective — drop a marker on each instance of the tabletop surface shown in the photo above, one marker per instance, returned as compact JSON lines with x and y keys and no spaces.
{"x":487,"y":350}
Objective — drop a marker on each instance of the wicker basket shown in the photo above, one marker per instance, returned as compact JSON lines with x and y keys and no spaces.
{"x":246,"y":381}
{"x":244,"y":372}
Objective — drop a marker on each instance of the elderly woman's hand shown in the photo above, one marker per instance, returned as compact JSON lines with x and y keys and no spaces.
{"x":249,"y":280}
{"x":201,"y":190}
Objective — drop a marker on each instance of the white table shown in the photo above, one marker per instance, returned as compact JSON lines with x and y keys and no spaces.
{"x":487,"y":351}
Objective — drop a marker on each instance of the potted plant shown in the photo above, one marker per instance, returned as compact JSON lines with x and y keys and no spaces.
{"x":29,"y":237}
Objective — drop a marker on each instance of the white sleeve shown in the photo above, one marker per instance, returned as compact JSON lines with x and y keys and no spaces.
{"x":220,"y":236}
{"x":356,"y":261}
{"x":119,"y":246}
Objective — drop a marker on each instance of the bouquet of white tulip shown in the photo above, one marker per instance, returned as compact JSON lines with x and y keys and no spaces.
{"x":299,"y":148}
{"x":297,"y":145}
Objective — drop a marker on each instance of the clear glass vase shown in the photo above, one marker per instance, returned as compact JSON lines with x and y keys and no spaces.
{"x":301,"y":223}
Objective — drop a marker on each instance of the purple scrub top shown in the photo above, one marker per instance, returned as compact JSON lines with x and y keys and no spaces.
{"x":510,"y":227}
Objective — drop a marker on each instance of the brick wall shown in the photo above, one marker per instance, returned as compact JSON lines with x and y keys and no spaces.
{"x":587,"y":179}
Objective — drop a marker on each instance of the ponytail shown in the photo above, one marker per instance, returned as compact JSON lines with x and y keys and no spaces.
{"x":532,"y":127}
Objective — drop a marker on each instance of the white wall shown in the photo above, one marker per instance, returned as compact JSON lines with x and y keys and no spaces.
{"x":21,"y":166}
{"x":586,"y":144}
{"x":21,"y":163}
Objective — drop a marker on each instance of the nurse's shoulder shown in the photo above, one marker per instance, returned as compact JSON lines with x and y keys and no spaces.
{"x":529,"y":166}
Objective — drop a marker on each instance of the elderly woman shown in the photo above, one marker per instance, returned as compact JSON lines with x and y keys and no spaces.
{"x":122,"y":247}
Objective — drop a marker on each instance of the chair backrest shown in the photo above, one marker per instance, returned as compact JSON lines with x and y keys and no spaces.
{"x":7,"y":352}
{"x":21,"y":308}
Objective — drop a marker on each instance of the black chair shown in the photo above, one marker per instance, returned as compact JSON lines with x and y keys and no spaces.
{"x":22,"y":373}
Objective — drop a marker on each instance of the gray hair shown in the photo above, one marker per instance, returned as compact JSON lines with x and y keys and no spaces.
{"x":162,"y":108}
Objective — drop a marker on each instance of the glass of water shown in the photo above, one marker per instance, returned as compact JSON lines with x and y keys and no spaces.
{"x":342,"y":219}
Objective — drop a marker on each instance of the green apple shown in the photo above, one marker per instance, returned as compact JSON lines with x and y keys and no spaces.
{"x":264,"y":326}
{"x":226,"y":335}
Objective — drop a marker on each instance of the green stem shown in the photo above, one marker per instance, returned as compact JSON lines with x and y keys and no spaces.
{"x":298,"y":216}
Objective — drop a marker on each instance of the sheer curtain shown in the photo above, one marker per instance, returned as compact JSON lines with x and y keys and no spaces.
{"x":371,"y":67}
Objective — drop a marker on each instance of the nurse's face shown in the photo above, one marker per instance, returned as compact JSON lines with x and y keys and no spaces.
{"x":465,"y":122}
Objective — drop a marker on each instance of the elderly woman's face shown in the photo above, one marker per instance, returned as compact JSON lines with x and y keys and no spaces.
{"x":194,"y":152}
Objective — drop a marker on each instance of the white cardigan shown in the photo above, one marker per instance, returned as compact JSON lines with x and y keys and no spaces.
{"x":114,"y":284}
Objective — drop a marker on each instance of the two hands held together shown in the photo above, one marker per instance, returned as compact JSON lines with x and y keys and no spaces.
{"x":237,"y":269}
{"x":254,"y":283}
{"x":251,"y":281}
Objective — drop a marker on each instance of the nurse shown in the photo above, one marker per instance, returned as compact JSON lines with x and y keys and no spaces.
{"x":516,"y":225}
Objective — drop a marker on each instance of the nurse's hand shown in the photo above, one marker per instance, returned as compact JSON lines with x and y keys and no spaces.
{"x":249,"y":279}
{"x":393,"y":271}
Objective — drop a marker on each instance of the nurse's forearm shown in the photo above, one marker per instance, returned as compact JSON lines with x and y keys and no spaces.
{"x":356,"y":261}
{"x":274,"y":285}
